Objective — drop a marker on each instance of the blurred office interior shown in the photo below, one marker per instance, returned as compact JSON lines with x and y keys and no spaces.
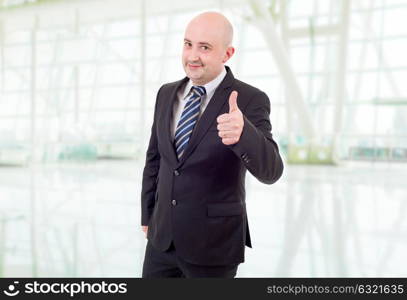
{"x":78,"y":81}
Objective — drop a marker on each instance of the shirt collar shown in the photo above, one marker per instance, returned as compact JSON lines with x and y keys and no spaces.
{"x":209,"y":87}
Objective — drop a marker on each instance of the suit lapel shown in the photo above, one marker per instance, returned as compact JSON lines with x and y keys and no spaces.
{"x":209,"y":115}
{"x":166,"y":122}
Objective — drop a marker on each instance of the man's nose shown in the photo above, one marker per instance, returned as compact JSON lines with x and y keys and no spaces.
{"x":193,"y":54}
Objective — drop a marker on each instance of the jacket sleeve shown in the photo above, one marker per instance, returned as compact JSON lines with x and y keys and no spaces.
{"x":150,"y":173}
{"x":256,"y":147}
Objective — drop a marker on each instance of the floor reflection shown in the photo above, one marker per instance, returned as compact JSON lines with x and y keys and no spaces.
{"x":83,"y":220}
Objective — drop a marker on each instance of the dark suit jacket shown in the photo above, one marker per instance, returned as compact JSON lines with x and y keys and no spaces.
{"x":199,"y":201}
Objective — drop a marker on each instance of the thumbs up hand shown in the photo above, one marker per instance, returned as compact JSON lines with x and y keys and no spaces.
{"x":230,"y":125}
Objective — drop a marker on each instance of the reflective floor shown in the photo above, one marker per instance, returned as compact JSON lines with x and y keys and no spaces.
{"x":83,"y":220}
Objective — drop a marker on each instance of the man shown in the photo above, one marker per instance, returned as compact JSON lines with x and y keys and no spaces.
{"x":208,"y":129}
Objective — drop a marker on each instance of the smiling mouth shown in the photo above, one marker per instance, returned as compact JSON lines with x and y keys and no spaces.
{"x":194,"y":66}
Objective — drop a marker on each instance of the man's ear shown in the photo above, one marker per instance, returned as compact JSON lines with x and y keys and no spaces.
{"x":229,"y":53}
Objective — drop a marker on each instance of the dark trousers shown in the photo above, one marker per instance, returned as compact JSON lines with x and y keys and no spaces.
{"x":158,"y":264}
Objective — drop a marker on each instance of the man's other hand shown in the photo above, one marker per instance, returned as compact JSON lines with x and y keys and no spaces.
{"x":145,"y":229}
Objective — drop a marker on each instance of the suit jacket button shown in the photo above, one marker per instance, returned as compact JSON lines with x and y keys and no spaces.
{"x":174,"y":202}
{"x":176,"y":173}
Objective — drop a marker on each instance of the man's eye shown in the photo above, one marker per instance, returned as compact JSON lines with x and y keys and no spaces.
{"x":205,"y":47}
{"x":187,"y":44}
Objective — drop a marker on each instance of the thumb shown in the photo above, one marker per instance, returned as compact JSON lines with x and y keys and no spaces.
{"x":233,"y":102}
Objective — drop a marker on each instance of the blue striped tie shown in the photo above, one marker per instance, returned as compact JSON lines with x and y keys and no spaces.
{"x":188,"y":119}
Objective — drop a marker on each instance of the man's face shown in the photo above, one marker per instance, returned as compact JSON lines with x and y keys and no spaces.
{"x":204,"y":53}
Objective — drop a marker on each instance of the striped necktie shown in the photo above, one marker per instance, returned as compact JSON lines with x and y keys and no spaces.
{"x":188,"y":119}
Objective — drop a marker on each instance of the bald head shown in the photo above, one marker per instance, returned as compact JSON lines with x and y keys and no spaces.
{"x":215,"y":24}
{"x":207,"y":46}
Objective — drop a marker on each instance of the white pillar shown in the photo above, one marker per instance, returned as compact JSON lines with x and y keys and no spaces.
{"x":341,"y":70}
{"x":266,"y":25}
{"x":2,"y":59}
{"x":33,"y":87}
{"x":142,"y":71}
{"x":34,"y":154}
{"x":76,"y":73}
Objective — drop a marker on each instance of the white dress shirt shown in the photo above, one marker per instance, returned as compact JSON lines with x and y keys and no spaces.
{"x":184,"y":93}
